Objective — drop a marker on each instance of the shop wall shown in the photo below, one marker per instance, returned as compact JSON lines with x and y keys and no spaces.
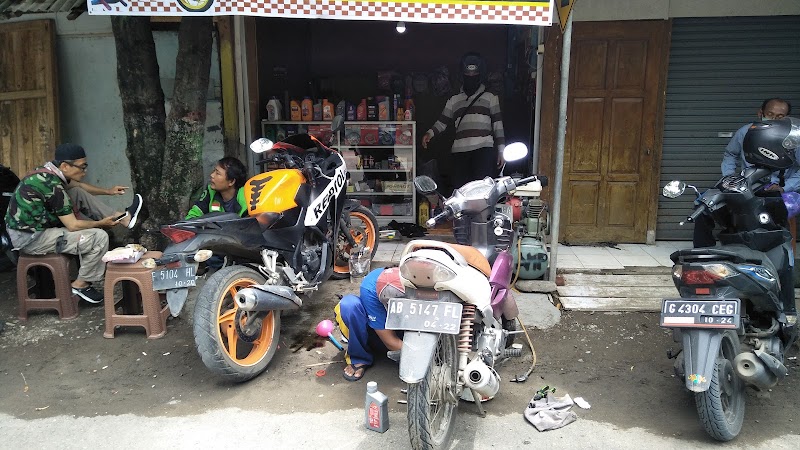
{"x":89,"y":101}
{"x":665,"y":9}
{"x":340,"y":59}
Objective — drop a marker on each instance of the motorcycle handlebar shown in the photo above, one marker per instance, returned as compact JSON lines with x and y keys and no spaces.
{"x":433,"y":221}
{"x":696,"y":213}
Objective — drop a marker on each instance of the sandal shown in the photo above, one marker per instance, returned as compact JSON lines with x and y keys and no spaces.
{"x":358,"y":372}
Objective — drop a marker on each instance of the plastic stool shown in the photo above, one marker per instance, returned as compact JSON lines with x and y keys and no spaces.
{"x":141,"y":306}
{"x":62,"y":299}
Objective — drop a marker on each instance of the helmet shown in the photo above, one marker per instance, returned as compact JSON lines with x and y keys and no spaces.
{"x":771,"y":143}
{"x":473,"y":64}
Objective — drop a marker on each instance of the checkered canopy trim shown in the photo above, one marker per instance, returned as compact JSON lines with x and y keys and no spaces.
{"x":437,"y":11}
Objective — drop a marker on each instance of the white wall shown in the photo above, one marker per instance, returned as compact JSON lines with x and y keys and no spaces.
{"x":588,"y":10}
{"x":90,"y":107}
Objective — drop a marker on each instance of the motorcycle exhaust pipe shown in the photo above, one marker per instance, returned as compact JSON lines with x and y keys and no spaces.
{"x":267,"y":298}
{"x":753,"y":371}
{"x":481,"y":378}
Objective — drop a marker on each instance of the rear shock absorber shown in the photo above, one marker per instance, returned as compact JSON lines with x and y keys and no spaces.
{"x":465,"y":334}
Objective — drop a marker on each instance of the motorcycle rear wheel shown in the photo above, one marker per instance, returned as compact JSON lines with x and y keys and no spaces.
{"x":215,"y":335}
{"x":363,"y":228}
{"x":721,"y":407}
{"x":433,"y":403}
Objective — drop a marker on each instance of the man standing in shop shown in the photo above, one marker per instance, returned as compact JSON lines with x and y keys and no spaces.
{"x":475,"y":116}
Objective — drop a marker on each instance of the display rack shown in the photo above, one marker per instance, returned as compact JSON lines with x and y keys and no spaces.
{"x":381,"y":159}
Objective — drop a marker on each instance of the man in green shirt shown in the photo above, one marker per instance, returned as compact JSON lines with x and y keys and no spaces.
{"x":42,"y":216}
{"x":224,"y":192}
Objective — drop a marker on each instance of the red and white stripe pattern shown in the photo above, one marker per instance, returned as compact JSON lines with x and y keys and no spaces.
{"x":442,"y":11}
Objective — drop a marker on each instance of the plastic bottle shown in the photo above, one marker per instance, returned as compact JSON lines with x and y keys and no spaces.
{"x":424,"y":212}
{"x":409,"y":109}
{"x":307,"y":109}
{"x":383,"y":109}
{"x":327,"y":109}
{"x":372,"y":109}
{"x":361,"y":111}
{"x":294,"y":111}
{"x":376,"y":409}
{"x":341,"y":108}
{"x":317,"y":111}
{"x":351,"y":111}
{"x":274,"y":109}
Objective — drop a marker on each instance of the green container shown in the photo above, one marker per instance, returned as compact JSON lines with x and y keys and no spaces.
{"x":535,"y":260}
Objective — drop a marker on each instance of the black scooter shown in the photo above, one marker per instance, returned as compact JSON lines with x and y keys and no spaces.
{"x":730,"y":319}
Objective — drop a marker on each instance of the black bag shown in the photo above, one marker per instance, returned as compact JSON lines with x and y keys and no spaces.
{"x":448,"y":136}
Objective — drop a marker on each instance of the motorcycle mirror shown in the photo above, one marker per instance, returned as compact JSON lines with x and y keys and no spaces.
{"x":425,"y":184}
{"x":337,"y":124}
{"x":261,"y":145}
{"x":673,"y":189}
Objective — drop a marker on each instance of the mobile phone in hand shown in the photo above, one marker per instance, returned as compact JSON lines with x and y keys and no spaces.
{"x":120,"y":217}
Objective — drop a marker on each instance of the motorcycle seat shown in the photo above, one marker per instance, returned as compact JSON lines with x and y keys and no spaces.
{"x":474,"y":258}
{"x":211,"y":217}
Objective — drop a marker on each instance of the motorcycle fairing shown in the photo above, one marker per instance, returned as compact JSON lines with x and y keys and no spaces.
{"x":274,"y":191}
{"x":330,"y":190}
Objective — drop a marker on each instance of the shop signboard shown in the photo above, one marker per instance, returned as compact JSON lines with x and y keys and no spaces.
{"x":432,"y":11}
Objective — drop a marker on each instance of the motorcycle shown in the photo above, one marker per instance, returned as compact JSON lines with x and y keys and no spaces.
{"x":730,"y":319}
{"x":458,"y":314}
{"x":300,"y":230}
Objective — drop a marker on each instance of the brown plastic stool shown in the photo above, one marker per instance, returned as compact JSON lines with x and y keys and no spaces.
{"x":62,"y":299}
{"x":141,"y":306}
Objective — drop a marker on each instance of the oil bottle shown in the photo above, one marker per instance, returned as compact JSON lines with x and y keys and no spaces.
{"x":376,"y":409}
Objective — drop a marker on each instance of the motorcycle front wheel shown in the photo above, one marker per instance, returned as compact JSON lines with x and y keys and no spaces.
{"x":433,"y":402}
{"x":225,"y":348}
{"x":721,"y":407}
{"x":363,"y":228}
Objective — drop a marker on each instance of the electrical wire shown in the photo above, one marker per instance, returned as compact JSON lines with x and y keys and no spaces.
{"x":522,"y":325}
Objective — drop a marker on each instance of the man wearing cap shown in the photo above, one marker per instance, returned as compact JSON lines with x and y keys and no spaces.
{"x":475,"y":114}
{"x":362,"y":320}
{"x":42,"y":216}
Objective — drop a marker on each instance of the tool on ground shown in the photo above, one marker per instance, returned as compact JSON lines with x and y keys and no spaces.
{"x":324,"y":329}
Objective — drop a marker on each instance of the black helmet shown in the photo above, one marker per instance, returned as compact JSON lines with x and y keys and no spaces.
{"x":771,"y":143}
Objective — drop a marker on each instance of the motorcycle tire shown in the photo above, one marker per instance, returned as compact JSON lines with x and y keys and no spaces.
{"x":363,"y":226}
{"x":215,"y":328}
{"x":429,"y":428}
{"x":721,"y":407}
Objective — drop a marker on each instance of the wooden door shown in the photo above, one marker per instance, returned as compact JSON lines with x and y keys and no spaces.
{"x":28,"y":94}
{"x":611,"y":149}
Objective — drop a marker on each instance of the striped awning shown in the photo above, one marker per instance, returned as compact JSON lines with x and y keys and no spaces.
{"x":434,"y":11}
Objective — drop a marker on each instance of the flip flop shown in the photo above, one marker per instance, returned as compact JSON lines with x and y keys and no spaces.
{"x":355,"y":377}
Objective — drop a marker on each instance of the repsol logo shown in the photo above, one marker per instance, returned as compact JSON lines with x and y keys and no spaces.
{"x":320,"y":204}
{"x":258,"y":186}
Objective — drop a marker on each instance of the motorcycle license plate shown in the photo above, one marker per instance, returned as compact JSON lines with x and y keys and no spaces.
{"x":423,"y":315}
{"x":691,"y":313}
{"x":173,"y":278}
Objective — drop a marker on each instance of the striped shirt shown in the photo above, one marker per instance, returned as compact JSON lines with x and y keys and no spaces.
{"x":481,"y":127}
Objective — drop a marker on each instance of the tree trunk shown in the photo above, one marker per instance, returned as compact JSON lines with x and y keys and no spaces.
{"x":165,"y":152}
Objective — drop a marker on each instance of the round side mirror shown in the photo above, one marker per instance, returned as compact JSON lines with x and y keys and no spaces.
{"x":261,"y":145}
{"x":425,"y":184}
{"x":515,"y":151}
{"x":673,"y":189}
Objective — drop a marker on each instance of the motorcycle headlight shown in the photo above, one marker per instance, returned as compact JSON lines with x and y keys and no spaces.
{"x":425,"y":272}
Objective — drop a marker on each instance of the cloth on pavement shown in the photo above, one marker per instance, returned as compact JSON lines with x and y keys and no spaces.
{"x":550,"y":412}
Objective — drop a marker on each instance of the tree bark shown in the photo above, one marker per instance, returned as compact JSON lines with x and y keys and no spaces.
{"x":165,"y":152}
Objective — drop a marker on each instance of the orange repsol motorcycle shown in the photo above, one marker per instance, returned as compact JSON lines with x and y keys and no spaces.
{"x":300,"y":230}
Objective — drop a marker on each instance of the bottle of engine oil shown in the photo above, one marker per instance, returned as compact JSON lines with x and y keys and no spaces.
{"x":376,"y":409}
{"x":424,"y":212}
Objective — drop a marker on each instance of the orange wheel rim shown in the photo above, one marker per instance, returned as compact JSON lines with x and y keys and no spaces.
{"x":359,"y":236}
{"x":241,"y":352}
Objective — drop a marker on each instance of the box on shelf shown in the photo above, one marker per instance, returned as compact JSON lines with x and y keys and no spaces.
{"x":401,"y":187}
{"x":386,"y":134}
{"x":369,"y":135}
{"x":403,"y":135}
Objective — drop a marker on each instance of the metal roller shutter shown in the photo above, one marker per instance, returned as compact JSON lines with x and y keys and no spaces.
{"x":720,"y":70}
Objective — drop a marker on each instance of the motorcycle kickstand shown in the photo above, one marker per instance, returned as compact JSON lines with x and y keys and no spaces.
{"x":477,"y":399}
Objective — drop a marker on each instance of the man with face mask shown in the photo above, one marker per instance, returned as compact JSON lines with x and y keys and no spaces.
{"x":733,"y":162}
{"x":475,"y":115}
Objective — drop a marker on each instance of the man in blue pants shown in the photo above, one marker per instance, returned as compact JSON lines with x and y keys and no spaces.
{"x":362,"y":320}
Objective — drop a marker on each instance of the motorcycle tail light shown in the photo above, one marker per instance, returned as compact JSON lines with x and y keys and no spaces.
{"x":705,"y":274}
{"x":424,"y":272}
{"x":177,"y":235}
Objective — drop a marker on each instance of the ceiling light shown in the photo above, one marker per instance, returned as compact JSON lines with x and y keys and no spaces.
{"x":401,"y":27}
